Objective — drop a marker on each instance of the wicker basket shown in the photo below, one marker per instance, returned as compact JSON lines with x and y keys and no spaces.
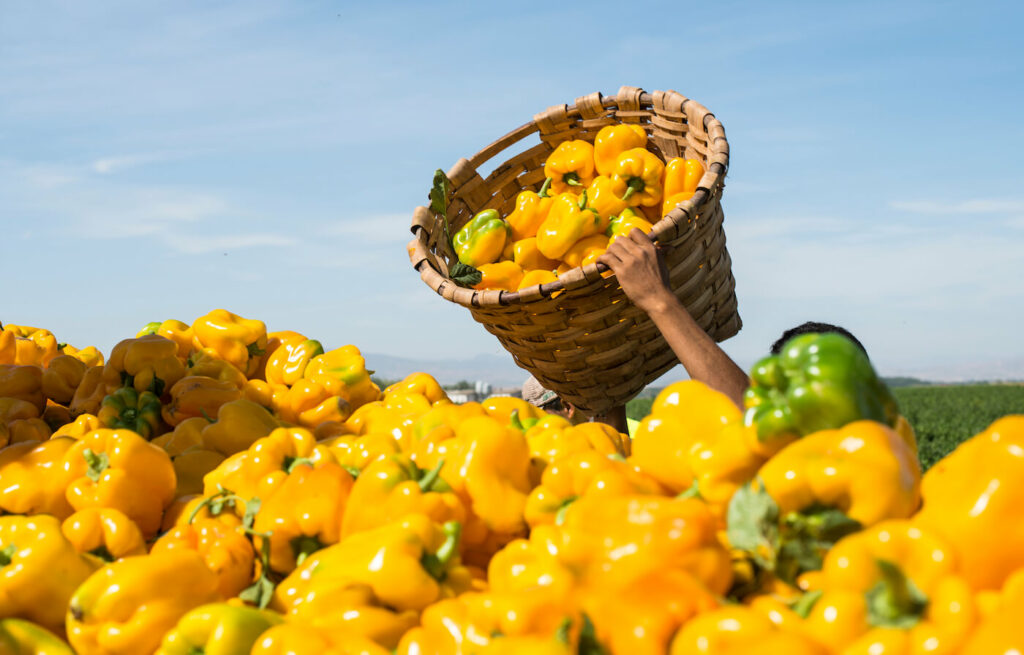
{"x":580,"y":336}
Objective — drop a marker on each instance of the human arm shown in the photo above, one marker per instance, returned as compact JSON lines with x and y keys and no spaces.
{"x":644,"y":278}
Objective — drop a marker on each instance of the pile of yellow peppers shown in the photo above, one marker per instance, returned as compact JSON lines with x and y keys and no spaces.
{"x":593,"y":194}
{"x":215,"y":488}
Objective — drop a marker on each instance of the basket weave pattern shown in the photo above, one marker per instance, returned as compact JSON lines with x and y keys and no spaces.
{"x":580,"y":336}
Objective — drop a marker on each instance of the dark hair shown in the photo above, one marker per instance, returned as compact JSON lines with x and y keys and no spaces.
{"x":813,"y":326}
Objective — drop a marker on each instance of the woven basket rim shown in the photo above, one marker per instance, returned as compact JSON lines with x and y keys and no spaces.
{"x":713,"y":178}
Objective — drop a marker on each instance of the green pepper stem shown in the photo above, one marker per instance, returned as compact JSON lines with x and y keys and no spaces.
{"x":303,"y":546}
{"x":436,"y":563}
{"x":431,"y":476}
{"x":895,"y":601}
{"x":513,"y":421}
{"x":582,"y":204}
{"x":7,"y":554}
{"x":543,"y":193}
{"x":563,"y":508}
{"x":572,"y":179}
{"x":97,"y":464}
{"x":635,"y":185}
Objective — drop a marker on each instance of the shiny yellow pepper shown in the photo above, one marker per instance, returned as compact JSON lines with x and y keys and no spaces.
{"x":420,"y":383}
{"x":570,"y":167}
{"x":504,"y":275}
{"x":105,"y":533}
{"x":239,"y":341}
{"x":218,"y":629}
{"x":61,"y":378}
{"x":34,"y":477}
{"x":126,"y":607}
{"x":356,"y":452}
{"x":613,"y":140}
{"x":30,"y":346}
{"x":289,"y":361}
{"x":148,"y":363}
{"x":178,"y":332}
{"x":533,"y":278}
{"x":530,"y":211}
{"x":196,"y":395}
{"x":342,"y":371}
{"x":239,"y":424}
{"x":41,"y":570}
{"x":528,"y":257}
{"x":586,"y":250}
{"x":482,"y":239}
{"x":19,"y":637}
{"x":224,"y":548}
{"x":125,"y":472}
{"x":637,"y":178}
{"x":624,"y":222}
{"x":90,"y":392}
{"x":681,"y":179}
{"x":568,"y":221}
{"x":737,"y":630}
{"x":603,"y":198}
{"x":89,"y":355}
{"x":299,"y":639}
{"x":204,"y":363}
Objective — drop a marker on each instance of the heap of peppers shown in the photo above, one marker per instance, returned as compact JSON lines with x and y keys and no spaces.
{"x":216,"y":488}
{"x":593,"y":194}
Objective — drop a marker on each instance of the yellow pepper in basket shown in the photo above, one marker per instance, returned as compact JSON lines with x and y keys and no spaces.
{"x":533,"y":278}
{"x":637,"y":178}
{"x":624,"y":223}
{"x":570,"y":167}
{"x":586,"y":250}
{"x":504,"y":275}
{"x":603,"y":198}
{"x":239,"y":341}
{"x":568,"y":221}
{"x":526,"y":254}
{"x":613,"y":140}
{"x":531,"y":210}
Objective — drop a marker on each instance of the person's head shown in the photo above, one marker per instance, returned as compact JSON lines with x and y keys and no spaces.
{"x":813,"y":326}
{"x":549,"y":401}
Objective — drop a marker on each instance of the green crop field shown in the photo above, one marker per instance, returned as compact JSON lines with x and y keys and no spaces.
{"x":942,"y":416}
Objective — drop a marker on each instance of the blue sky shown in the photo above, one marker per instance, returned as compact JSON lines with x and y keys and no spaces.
{"x":158,"y":160}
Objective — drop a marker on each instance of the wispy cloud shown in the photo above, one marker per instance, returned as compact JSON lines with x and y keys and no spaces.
{"x":107,"y":165}
{"x":975,"y":206}
{"x":201,"y":244}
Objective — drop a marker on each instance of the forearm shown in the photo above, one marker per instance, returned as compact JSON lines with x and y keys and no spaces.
{"x":703,"y":359}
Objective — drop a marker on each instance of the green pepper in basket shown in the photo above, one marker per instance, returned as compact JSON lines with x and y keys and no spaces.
{"x":817,"y":382}
{"x":482,"y":240}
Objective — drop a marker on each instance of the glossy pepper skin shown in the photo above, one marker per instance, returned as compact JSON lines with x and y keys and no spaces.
{"x":613,"y":140}
{"x":681,"y":179}
{"x":568,"y":221}
{"x":89,"y":394}
{"x":223,"y":547}
{"x":218,"y":629}
{"x":408,"y":564}
{"x":999,"y":633}
{"x":394,"y":487}
{"x":61,"y":378}
{"x":126,"y":607}
{"x":34,"y":477}
{"x":128,"y":409}
{"x":530,"y":211}
{"x":504,"y":275}
{"x":41,"y":570}
{"x":572,"y":475}
{"x":342,"y":372}
{"x":239,"y":424}
{"x":196,"y":395}
{"x":533,"y":278}
{"x":637,"y":178}
{"x":296,"y":639}
{"x":602,"y":198}
{"x":304,"y":514}
{"x":974,"y":493}
{"x":204,"y":363}
{"x":238,"y":341}
{"x":570,"y":167}
{"x":24,"y":383}
{"x":125,"y":472}
{"x":528,"y":257}
{"x":586,"y":250}
{"x":19,"y":637}
{"x":289,"y":361}
{"x":553,"y":437}
{"x":482,"y":239}
{"x":355,"y":453}
{"x":737,"y":630}
{"x":178,"y":332}
{"x":148,"y":363}
{"x":27,"y":346}
{"x":104,"y":533}
{"x":818,"y":382}
{"x":89,"y":355}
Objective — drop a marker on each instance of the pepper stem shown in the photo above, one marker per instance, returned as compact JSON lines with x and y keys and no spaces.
{"x":7,"y":554}
{"x":430,"y":477}
{"x":303,"y":546}
{"x":572,"y":179}
{"x":543,"y":193}
{"x":635,"y":185}
{"x":436,"y":563}
{"x":97,"y":464}
{"x":895,"y":602}
{"x":583,"y":200}
{"x":291,"y":463}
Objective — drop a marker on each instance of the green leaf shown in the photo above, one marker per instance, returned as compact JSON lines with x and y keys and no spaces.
{"x":258,"y":593}
{"x":465,"y":275}
{"x":752,"y":524}
{"x":252,"y":507}
{"x":439,"y":194}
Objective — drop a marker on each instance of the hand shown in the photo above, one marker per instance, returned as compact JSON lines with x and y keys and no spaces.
{"x":640,"y":269}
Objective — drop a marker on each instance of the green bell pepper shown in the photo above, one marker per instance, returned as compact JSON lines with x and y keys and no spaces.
{"x":482,"y":240}
{"x":126,"y":408}
{"x":817,"y":382}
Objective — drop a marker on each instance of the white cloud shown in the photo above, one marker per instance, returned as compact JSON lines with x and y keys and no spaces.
{"x":975,"y":206}
{"x":201,"y":243}
{"x":107,"y":165}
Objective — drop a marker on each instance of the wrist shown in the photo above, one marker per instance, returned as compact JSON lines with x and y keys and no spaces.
{"x":658,"y":302}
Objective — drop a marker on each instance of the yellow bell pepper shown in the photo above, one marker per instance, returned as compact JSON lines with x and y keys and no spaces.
{"x":31,"y":346}
{"x":239,"y":341}
{"x":570,"y":167}
{"x":586,"y":250}
{"x":408,"y":564}
{"x":602,"y":198}
{"x":204,"y":363}
{"x":128,"y":409}
{"x":148,"y":363}
{"x":105,"y":533}
{"x":90,"y":393}
{"x":737,"y":630}
{"x":89,"y":355}
{"x":256,"y":472}
{"x":287,"y":364}
{"x":218,"y":629}
{"x":526,"y":255}
{"x":637,"y":178}
{"x":568,"y":221}
{"x":501,"y":408}
{"x":504,"y":275}
{"x":33,"y":430}
{"x":18,"y":637}
{"x":613,"y":140}
{"x":624,"y":223}
{"x":35,"y":476}
{"x":533,"y":278}
{"x":681,"y":179}
{"x":530,"y":211}
{"x":239,"y":424}
{"x":187,"y":435}
{"x":124,"y":472}
{"x":8,"y":347}
{"x":355,"y":452}
{"x":222,"y":546}
{"x":127,"y":607}
{"x":301,"y":639}
{"x":392,"y":488}
{"x":972,"y":498}
{"x":191,"y":467}
{"x":40,"y":570}
{"x":61,"y":378}
{"x":196,"y":395}
{"x":550,"y":439}
{"x":24,"y":383}
{"x":423,"y":384}
{"x":304,"y":514}
{"x":1000,"y":632}
{"x":271,"y":396}
{"x":481,"y":240}
{"x":892,"y":588}
{"x":342,"y":372}
{"x":178,"y":332}
{"x":574,"y":475}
